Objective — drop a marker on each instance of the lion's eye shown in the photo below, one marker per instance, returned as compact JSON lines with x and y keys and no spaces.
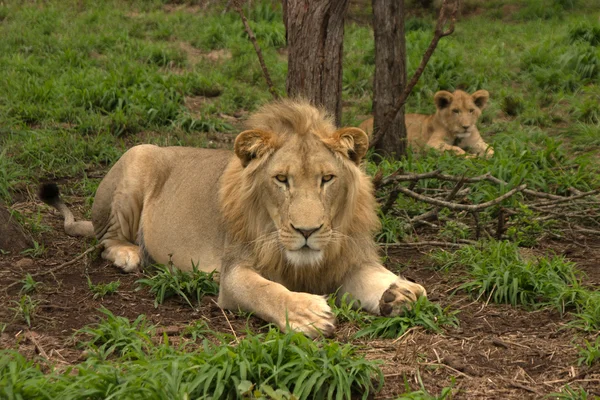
{"x":326,"y":178}
{"x":455,"y":111}
{"x":281,"y":178}
{"x":471,"y":111}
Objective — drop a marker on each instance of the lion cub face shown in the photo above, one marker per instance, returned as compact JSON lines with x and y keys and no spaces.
{"x":459,"y":111}
{"x":305,"y":182}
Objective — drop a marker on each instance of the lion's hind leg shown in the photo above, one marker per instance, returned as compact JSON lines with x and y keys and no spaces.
{"x":123,"y":254}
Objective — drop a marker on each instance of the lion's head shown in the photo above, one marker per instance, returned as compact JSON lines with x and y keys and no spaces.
{"x":296,"y":193}
{"x":459,"y":111}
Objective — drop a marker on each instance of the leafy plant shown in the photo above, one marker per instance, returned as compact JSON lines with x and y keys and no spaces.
{"x":25,"y":308}
{"x":424,"y":313}
{"x":30,"y":285}
{"x":119,"y":336}
{"x":589,"y":353}
{"x":498,"y":272}
{"x":103,"y":289}
{"x":167,"y":281}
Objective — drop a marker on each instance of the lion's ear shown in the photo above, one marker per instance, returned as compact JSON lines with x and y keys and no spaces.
{"x":480,"y":98}
{"x":253,"y":144}
{"x":443,"y":99}
{"x":352,"y":142}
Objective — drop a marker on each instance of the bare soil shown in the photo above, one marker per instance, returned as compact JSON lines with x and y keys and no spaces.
{"x":499,"y":351}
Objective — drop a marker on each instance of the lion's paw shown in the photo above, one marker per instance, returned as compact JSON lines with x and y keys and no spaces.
{"x":125,"y":257}
{"x":309,"y":314}
{"x":399,"y":297}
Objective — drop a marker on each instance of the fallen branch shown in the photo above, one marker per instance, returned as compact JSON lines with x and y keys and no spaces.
{"x":237,"y":4}
{"x":419,"y":244}
{"x":460,"y":207}
{"x":61,"y":266}
{"x":437,"y":35}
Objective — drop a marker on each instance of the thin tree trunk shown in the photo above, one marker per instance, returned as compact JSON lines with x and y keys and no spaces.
{"x":390,"y":75}
{"x":315,"y":34}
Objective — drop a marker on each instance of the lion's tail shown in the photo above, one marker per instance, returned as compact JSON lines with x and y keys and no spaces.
{"x":50,"y":195}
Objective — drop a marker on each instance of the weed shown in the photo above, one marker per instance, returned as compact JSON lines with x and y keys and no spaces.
{"x":36,"y":251}
{"x":453,"y":231}
{"x":25,"y":308}
{"x":423,"y":393}
{"x":290,"y":362}
{"x":103,"y":289}
{"x":569,"y":393}
{"x":588,"y":314}
{"x":585,"y":32}
{"x":30,"y":285}
{"x":168,"y":281}
{"x":589,"y":353}
{"x":424,"y":313}
{"x":118,"y":336}
{"x":498,"y":273}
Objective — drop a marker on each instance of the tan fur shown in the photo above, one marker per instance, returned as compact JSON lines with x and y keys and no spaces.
{"x":288,"y":219}
{"x":451,"y":128}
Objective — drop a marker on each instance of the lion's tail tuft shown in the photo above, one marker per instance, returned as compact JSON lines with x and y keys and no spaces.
{"x":50,"y":194}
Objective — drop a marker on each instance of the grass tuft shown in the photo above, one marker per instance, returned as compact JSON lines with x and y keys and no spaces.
{"x":167,"y":281}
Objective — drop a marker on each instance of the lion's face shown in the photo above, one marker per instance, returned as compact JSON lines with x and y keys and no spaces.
{"x":459,"y":111}
{"x":305,"y":184}
{"x":303,"y":197}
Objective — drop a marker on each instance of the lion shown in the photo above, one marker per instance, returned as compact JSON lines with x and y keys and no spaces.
{"x":286,"y":219}
{"x":451,"y":128}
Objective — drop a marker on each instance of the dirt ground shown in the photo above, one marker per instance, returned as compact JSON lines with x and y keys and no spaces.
{"x":499,"y":352}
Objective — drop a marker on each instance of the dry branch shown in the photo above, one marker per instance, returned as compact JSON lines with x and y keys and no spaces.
{"x":238,"y":7}
{"x":437,"y":35}
{"x":460,"y":207}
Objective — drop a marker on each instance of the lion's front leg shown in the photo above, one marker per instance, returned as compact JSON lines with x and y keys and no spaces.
{"x":380,"y":291}
{"x":245,"y":289}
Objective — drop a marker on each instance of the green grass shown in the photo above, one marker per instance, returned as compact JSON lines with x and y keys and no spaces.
{"x":423,"y":313}
{"x":166,"y":281}
{"x":102,"y":289}
{"x":589,"y":353}
{"x":117,"y":335}
{"x":30,"y":285}
{"x":269,"y":363}
{"x":498,"y":273}
{"x":25,"y":308}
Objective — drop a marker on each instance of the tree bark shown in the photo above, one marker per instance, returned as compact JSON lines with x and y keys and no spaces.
{"x":315,"y":35}
{"x":390,"y":75}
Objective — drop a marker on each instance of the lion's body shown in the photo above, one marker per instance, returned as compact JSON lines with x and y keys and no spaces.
{"x":162,"y":199}
{"x":452,"y":128}
{"x":286,"y":219}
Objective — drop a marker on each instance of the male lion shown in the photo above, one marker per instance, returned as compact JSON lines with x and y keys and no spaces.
{"x":452,"y":127}
{"x":286,"y":219}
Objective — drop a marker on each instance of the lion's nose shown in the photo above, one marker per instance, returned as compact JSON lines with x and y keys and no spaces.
{"x":465,"y":127}
{"x":306,"y":232}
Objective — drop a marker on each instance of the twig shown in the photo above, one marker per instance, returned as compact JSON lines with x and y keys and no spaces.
{"x":61,"y":266}
{"x":261,"y":60}
{"x":565,"y":199}
{"x":228,"y":323}
{"x":428,"y":243}
{"x":461,"y":207}
{"x":31,"y":336}
{"x":437,"y":35}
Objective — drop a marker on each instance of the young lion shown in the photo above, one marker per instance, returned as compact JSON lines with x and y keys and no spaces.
{"x":287,"y":218}
{"x":452,"y":127}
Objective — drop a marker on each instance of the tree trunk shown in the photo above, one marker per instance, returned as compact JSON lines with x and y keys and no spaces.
{"x":315,"y":34}
{"x":390,"y":75}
